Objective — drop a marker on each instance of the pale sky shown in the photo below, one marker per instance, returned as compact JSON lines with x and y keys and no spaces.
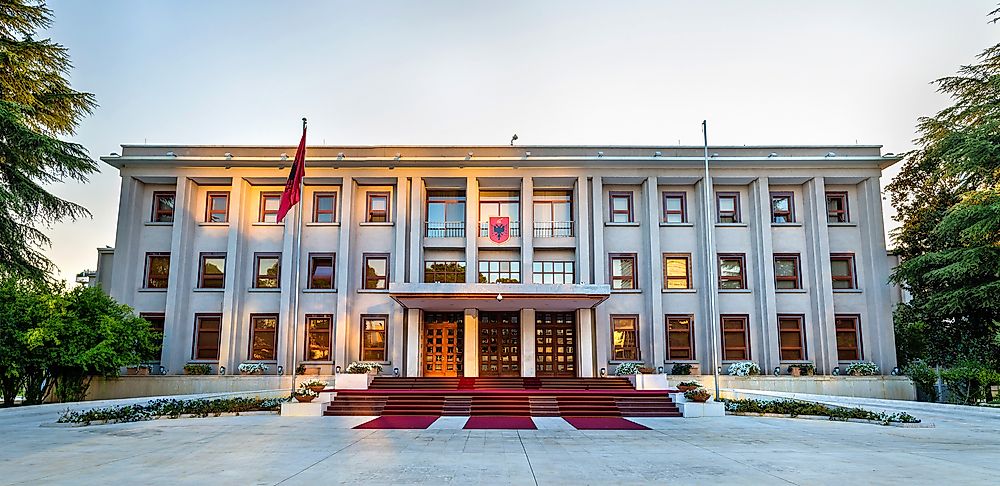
{"x":459,"y":72}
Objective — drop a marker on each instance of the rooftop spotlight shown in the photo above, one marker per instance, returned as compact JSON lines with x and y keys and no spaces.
{"x":527,"y":153}
{"x":600,"y":154}
{"x":772,"y":154}
{"x":513,"y":139}
{"x":229,"y":156}
{"x":657,"y":153}
{"x":397,"y":156}
{"x":499,"y":298}
{"x":284,"y":156}
{"x":171,"y":154}
{"x":831,"y":154}
{"x":340,"y":155}
{"x":115,"y":154}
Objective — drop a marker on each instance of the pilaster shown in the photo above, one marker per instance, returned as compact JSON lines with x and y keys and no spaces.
{"x":416,"y":249}
{"x":584,"y":230}
{"x":346,"y":287}
{"x":179,"y":325}
{"x":585,"y":343}
{"x":471,"y":234}
{"x":654,"y":300}
{"x":527,"y":234}
{"x":235,"y":284}
{"x":470,"y":353}
{"x":527,"y":342}
{"x":763,"y":286}
{"x":816,"y":270}
{"x":414,"y":345}
{"x":873,"y":264}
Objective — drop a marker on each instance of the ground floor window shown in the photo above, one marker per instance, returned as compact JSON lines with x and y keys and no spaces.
{"x":263,"y":337}
{"x":207,"y":335}
{"x":680,"y":338}
{"x":848,"y":338}
{"x":735,"y":338}
{"x":373,"y":343}
{"x":791,"y":338}
{"x":156,"y":324}
{"x":319,"y":338}
{"x":625,"y":338}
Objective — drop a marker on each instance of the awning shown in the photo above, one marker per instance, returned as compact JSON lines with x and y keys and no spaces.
{"x":498,"y":297}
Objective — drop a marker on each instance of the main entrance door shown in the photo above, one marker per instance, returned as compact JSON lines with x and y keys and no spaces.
{"x":499,"y":344}
{"x":443,"y":343}
{"x":555,"y":344}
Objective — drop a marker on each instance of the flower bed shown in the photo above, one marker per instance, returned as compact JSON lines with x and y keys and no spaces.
{"x":363,"y":367}
{"x":795,"y":408}
{"x":170,"y":408}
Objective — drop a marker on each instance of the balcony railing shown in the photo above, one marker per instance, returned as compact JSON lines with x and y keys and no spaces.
{"x":515,"y":229}
{"x":444,"y":229}
{"x":553,"y":229}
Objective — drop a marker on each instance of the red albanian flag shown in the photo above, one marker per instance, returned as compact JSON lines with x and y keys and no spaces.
{"x":293,"y":187}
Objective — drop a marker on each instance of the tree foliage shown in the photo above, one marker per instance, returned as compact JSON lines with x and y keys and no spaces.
{"x":37,"y":105}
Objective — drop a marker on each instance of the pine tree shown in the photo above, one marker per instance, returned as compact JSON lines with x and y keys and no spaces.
{"x":37,"y":106}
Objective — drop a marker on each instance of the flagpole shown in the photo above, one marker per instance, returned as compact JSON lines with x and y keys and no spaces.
{"x":710,"y":261}
{"x":296,"y":262}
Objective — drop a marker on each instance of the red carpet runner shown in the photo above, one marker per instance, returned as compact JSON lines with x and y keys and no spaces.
{"x":603,"y":423}
{"x":497,"y":422}
{"x":399,"y":422}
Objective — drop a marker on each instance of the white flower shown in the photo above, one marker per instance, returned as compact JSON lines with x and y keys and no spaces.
{"x":744,"y":368}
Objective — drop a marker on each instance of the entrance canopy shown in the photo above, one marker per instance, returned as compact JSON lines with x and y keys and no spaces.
{"x":498,"y":297}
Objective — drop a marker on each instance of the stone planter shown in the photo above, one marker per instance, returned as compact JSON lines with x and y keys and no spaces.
{"x":686,"y":388}
{"x":318,"y":388}
{"x":304,"y":398}
{"x":795,"y":371}
{"x":352,"y":381}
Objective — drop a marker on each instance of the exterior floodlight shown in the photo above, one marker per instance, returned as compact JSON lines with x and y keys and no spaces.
{"x":896,"y":371}
{"x":398,"y":155}
{"x":115,"y":154}
{"x":395,"y":372}
{"x":527,"y":153}
{"x":777,"y":370}
{"x":499,"y":298}
{"x":604,"y":372}
{"x":470,"y":154}
{"x":513,"y":139}
{"x":836,"y":370}
{"x":340,"y":155}
{"x":715,"y":154}
{"x":659,"y":369}
{"x":163,"y":370}
{"x":281,"y":370}
{"x":222,"y":370}
{"x":338,"y":369}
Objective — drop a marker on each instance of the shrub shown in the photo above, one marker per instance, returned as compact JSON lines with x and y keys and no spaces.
{"x":968,"y":382}
{"x":924,"y":377}
{"x":744,"y":368}
{"x":796,"y":408}
{"x":197,"y":369}
{"x":681,"y":369}
{"x":313,"y":382}
{"x":862,"y":368}
{"x":629,"y":368}
{"x":171,"y":408}
{"x":362,"y":367}
{"x":249,"y":368}
{"x":689,"y":383}
{"x":698,"y":395}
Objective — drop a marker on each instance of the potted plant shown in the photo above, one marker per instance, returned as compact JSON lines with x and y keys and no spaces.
{"x":699,"y":395}
{"x":140,"y":370}
{"x":686,"y":386}
{"x":799,"y":369}
{"x":628,"y":368}
{"x":744,"y":368}
{"x":315,"y":385}
{"x":862,"y":368}
{"x":305,"y":395}
{"x":197,"y":369}
{"x":253,"y":368}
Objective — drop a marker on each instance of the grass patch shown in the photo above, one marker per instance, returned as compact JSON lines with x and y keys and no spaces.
{"x":170,"y":408}
{"x":796,"y":408}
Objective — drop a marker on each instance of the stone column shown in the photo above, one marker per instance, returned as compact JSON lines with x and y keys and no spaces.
{"x":470,"y":353}
{"x":471,"y":233}
{"x":237,"y":264}
{"x":414,"y":344}
{"x":585,"y":343}
{"x":818,"y":278}
{"x":527,"y":342}
{"x":762,"y":259}
{"x":178,"y":333}
{"x":345,"y":286}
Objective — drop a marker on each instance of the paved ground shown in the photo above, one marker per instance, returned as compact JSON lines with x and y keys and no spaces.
{"x":963,"y":448}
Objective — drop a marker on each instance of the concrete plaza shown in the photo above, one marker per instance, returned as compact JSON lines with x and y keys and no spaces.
{"x":962,"y":448}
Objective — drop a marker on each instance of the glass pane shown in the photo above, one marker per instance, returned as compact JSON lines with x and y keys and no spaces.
{"x":435,"y":212}
{"x":727,"y":203}
{"x":619,"y":203}
{"x":543,"y":212}
{"x":379,"y":203}
{"x":562,"y":212}
{"x":673,"y":204}
{"x":219,"y":203}
{"x":677,"y":267}
{"x":376,"y":266}
{"x":455,"y":212}
{"x":784,"y":268}
{"x":215,"y":266}
{"x":675,"y":218}
{"x":840,"y":268}
{"x":780,"y":204}
{"x":731,"y":268}
{"x":325,"y":203}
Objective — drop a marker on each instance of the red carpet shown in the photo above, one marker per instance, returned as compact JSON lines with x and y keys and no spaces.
{"x":496,"y":422}
{"x":603,"y":423}
{"x":399,"y":422}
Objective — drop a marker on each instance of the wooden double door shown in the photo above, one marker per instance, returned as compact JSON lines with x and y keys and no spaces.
{"x":499,"y":344}
{"x":443,"y":343}
{"x":555,"y":344}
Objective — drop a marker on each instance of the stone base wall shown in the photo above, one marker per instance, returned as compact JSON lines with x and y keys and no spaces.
{"x":152,"y":386}
{"x":886,"y":387}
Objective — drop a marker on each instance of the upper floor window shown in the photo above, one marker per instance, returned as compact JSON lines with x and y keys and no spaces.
{"x":212,"y":271}
{"x":163,"y":207}
{"x":207,"y":336}
{"x":677,"y":271}
{"x":444,"y":272}
{"x":842,"y":270}
{"x":782,"y":207}
{"x":674,"y":207}
{"x":786,"y":271}
{"x":731,"y":271}
{"x":680,"y":338}
{"x":623,"y":272}
{"x":319,"y":338}
{"x":624,"y":338}
{"x":269,"y":202}
{"x":728,"y":204}
{"x":553,"y":212}
{"x":500,"y":204}
{"x":157,"y":270}
{"x":373,"y":344}
{"x":848,"y":330}
{"x":552,"y":272}
{"x":267,"y":271}
{"x":263,"y":337}
{"x":377,"y":209}
{"x":791,"y":338}
{"x":376,"y":272}
{"x":445,"y":214}
{"x":321,"y":267}
{"x":499,"y":271}
{"x":622,"y":210}
{"x":217,"y":207}
{"x":735,"y":338}
{"x":836,"y":208}
{"x":324,"y":207}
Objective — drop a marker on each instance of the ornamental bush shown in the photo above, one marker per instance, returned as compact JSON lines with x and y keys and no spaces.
{"x":796,"y":408}
{"x":862,"y":368}
{"x":744,"y":368}
{"x":171,"y":408}
{"x":250,"y":368}
{"x":629,"y":368}
{"x":924,"y":377}
{"x":681,"y":369}
{"x":969,"y":382}
{"x":362,"y":367}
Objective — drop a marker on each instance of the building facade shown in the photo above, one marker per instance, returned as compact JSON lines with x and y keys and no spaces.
{"x":506,"y":261}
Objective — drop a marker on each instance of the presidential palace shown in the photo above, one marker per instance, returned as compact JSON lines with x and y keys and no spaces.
{"x":505,"y":260}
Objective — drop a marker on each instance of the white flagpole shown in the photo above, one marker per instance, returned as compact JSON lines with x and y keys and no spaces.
{"x":711,"y":263}
{"x":296,"y":262}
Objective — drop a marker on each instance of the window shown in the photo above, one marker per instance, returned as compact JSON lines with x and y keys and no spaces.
{"x":445,"y":214}
{"x":782,"y":207}
{"x":786,"y":272}
{"x":376,"y":272}
{"x":157,"y":270}
{"x":217,"y":208}
{"x":212,"y":271}
{"x":552,"y":272}
{"x":269,"y":202}
{"x":321,"y":266}
{"x":263,"y":337}
{"x":377,"y":208}
{"x":163,"y":207}
{"x":267,"y":271}
{"x":499,"y":271}
{"x":625,"y":338}
{"x":207,"y":334}
{"x":728,"y":204}
{"x":674,"y":207}
{"x":791,"y":338}
{"x":621,"y":207}
{"x":500,"y":204}
{"x":623,"y":272}
{"x":444,"y":272}
{"x":676,"y":271}
{"x":680,"y":338}
{"x":735,"y":338}
{"x":842,"y":269}
{"x":848,"y":338}
{"x":157,"y":322}
{"x":553,"y":214}
{"x":319,"y":338}
{"x":836,"y":208}
{"x":324,"y":207}
{"x":731,"y":274}
{"x":373,"y":338}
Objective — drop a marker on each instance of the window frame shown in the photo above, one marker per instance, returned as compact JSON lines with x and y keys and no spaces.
{"x":263,"y":212}
{"x":254,"y":318}
{"x":796,"y":279}
{"x":790,"y":214}
{"x":801,"y":349}
{"x":841,"y":215}
{"x":209,"y":197}
{"x":742,"y":279}
{"x":682,"y":195}
{"x":309,"y":337}
{"x":365,"y":318}
{"x":736,"y":212}
{"x":196,"y":345}
{"x":549,"y":199}
{"x":629,"y":214}
{"x":146,"y":275}
{"x":688,"y":284}
{"x":855,"y":319}
{"x":156,"y":211}
{"x":635,"y":329}
{"x":311,"y":268}
{"x":316,"y":211}
{"x":460,"y":277}
{"x":852,"y":278}
{"x":384,"y":278}
{"x":370,"y":214}
{"x":201,"y":269}
{"x":667,"y":319}
{"x":611,"y":271}
{"x":500,"y":271}
{"x":257,"y":270}
{"x":746,"y":349}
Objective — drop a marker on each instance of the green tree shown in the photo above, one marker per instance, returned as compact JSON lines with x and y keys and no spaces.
{"x":37,"y":105}
{"x":947,"y":197}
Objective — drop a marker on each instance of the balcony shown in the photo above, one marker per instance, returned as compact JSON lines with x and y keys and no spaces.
{"x":515,"y":229}
{"x":444,"y":229}
{"x":553,"y":229}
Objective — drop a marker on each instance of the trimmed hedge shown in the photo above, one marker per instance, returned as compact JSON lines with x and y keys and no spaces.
{"x":796,"y":408}
{"x":172,"y":409}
